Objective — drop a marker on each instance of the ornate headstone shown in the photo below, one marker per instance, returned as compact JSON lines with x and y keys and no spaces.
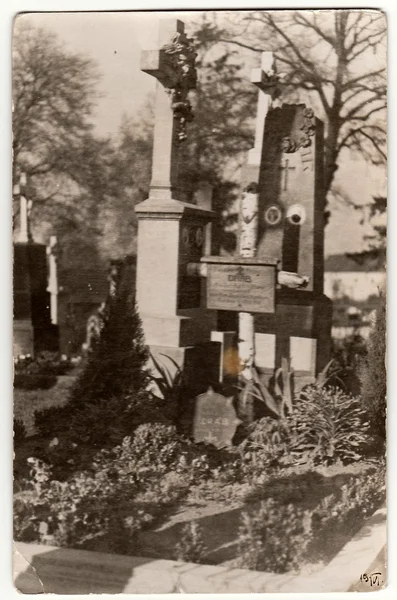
{"x":215,"y":419}
{"x":291,"y":201}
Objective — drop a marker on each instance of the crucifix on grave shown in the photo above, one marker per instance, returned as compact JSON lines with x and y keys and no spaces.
{"x":285,"y":168}
{"x":267,"y":81}
{"x":24,"y":210}
{"x":171,"y":232}
{"x":33,"y":329}
{"x":173,"y":66}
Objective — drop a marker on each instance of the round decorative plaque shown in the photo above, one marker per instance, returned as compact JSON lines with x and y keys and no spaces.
{"x":273,"y":215}
{"x":296,"y":214}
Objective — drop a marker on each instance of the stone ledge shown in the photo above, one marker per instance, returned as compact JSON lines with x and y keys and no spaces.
{"x":46,"y":569}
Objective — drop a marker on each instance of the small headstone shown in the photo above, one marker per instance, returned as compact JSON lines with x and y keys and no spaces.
{"x":215,"y":419}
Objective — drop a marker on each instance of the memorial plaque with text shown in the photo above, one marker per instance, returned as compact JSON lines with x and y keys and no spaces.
{"x":240,"y":287}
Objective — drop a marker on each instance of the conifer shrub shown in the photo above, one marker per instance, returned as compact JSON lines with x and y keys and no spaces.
{"x":373,"y":373}
{"x":109,"y":398}
{"x":116,"y":365}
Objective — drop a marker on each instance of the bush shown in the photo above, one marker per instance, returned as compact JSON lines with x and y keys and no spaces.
{"x":121,"y":491}
{"x":45,"y":363}
{"x":191,"y":548}
{"x":33,"y":381}
{"x":273,"y":538}
{"x":267,"y":444}
{"x":68,"y":513}
{"x":358,"y":499}
{"x":327,"y":426}
{"x":373,"y":373}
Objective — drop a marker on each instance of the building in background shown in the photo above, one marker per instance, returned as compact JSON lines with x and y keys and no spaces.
{"x":354,"y":289}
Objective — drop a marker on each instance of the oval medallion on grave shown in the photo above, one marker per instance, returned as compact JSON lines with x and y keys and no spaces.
{"x":273,"y":215}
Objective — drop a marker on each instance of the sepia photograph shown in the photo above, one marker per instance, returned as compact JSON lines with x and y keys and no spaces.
{"x":199,"y":204}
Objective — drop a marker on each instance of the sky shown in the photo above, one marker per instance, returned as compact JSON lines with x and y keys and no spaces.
{"x":115,"y":40}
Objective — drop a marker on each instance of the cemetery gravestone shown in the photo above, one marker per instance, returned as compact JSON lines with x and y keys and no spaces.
{"x":171,"y":231}
{"x":33,"y":329}
{"x":291,"y":229}
{"x":215,"y":419}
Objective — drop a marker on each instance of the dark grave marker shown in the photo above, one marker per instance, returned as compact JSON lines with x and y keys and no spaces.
{"x":215,"y":419}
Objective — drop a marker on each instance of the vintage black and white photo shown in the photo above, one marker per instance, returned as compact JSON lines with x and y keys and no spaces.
{"x":199,"y":278}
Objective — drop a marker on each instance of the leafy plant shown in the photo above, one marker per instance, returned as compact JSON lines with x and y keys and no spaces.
{"x":191,"y":548}
{"x":120,"y":492}
{"x":273,"y":537}
{"x":327,"y":425}
{"x":330,"y":373}
{"x":70,"y":512}
{"x":168,"y":385}
{"x":267,"y":444}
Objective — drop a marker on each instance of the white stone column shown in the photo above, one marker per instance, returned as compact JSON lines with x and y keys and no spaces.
{"x":53,"y":278}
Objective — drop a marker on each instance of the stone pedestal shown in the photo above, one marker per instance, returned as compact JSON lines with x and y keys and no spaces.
{"x":170,"y":301}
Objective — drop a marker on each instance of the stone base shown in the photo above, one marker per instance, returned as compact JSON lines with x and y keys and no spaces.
{"x":23,"y":338}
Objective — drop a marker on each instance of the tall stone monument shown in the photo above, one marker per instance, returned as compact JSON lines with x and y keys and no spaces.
{"x":171,"y":231}
{"x":291,"y":228}
{"x":33,"y":328}
{"x":285,"y":171}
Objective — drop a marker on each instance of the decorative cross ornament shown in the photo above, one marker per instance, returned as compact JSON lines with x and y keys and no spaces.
{"x":173,"y":65}
{"x":285,"y":169}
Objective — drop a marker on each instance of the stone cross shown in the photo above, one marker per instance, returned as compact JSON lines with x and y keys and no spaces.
{"x":173,"y":66}
{"x":286,"y":168}
{"x":266,"y":80}
{"x":19,"y":190}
